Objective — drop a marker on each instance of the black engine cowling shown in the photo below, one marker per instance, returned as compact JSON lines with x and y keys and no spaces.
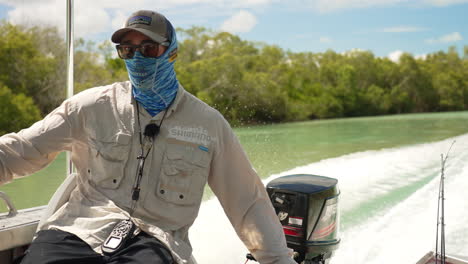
{"x":307,"y":207}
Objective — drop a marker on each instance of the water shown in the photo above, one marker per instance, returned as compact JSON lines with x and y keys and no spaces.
{"x":37,"y":189}
{"x":388,"y":206}
{"x":277,"y":148}
{"x":387,"y":168}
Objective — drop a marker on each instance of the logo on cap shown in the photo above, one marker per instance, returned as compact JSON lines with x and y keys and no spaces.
{"x":145,"y":20}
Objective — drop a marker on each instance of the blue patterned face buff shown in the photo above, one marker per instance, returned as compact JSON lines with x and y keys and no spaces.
{"x":154,"y":82}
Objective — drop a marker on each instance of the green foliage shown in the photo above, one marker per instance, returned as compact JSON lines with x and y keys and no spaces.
{"x":88,"y":71}
{"x":34,"y":58}
{"x":255,"y":82}
{"x":16,"y":111}
{"x":112,"y":64}
{"x":34,"y":70}
{"x":248,"y":82}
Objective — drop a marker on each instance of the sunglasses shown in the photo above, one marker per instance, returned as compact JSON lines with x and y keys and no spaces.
{"x":148,"y":49}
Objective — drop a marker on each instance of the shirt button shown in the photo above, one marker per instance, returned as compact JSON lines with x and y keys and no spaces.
{"x":114,"y":181}
{"x":162,"y":191}
{"x":181,"y":196}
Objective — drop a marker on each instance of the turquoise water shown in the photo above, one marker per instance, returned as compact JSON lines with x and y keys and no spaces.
{"x":388,"y":200}
{"x":276,"y":148}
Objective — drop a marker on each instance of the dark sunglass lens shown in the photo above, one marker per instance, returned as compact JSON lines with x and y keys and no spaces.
{"x":125,"y":51}
{"x":149,"y":50}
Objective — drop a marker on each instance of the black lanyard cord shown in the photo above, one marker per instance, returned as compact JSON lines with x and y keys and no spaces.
{"x":151,"y":132}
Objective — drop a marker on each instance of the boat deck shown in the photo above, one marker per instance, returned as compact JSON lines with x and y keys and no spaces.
{"x":430,"y":259}
{"x":18,"y":230}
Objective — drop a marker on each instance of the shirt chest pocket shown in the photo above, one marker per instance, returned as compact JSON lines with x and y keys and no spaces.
{"x":184,"y":174}
{"x":107,"y":160}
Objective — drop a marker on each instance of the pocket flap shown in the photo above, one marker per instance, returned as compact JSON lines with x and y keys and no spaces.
{"x":122,"y":138}
{"x":113,"y":148}
{"x":174,"y":153}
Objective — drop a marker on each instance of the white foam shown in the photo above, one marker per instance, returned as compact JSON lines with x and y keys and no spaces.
{"x":401,"y":233}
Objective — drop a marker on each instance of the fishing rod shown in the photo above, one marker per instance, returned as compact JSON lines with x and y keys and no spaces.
{"x":441,"y":210}
{"x":70,"y":60}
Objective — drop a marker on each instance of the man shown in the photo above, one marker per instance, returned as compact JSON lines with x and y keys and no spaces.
{"x":143,"y":151}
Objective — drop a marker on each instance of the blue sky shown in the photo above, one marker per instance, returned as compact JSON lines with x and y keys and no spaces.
{"x":385,"y":27}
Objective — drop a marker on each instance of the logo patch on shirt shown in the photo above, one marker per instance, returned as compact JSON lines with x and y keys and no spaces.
{"x":197,"y":135}
{"x":144,"y":20}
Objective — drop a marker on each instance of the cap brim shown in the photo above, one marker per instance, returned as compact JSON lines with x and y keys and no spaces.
{"x":119,"y":34}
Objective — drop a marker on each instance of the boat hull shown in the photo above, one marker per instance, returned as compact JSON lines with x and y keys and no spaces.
{"x":429,"y":258}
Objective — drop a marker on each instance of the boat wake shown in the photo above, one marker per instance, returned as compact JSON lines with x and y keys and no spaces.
{"x":388,"y":206}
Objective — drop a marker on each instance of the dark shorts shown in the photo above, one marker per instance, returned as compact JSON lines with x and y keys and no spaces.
{"x":57,"y":247}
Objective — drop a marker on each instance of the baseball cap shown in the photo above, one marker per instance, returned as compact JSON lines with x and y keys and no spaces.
{"x":150,"y":23}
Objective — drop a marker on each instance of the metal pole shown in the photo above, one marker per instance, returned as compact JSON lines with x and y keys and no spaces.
{"x":437,"y":254}
{"x":442,"y":220}
{"x":70,"y":57}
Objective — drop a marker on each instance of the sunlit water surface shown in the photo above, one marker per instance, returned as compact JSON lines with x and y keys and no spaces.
{"x":388,"y":206}
{"x":387,"y":168}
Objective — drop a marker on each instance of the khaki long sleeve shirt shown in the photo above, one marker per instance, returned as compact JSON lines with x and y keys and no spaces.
{"x":195,"y":146}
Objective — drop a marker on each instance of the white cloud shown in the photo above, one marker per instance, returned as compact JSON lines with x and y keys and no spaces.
{"x":452,"y":37}
{"x":401,"y":29}
{"x":352,"y":52}
{"x":325,"y":40}
{"x":90,"y":16}
{"x":49,"y":13}
{"x":421,"y":56}
{"x":395,"y":55}
{"x":242,"y":21}
{"x":331,"y":5}
{"x":90,"y":20}
{"x":445,"y":2}
{"x":118,"y":20}
{"x":102,"y":16}
{"x":23,"y":2}
{"x":255,"y":2}
{"x":250,"y":3}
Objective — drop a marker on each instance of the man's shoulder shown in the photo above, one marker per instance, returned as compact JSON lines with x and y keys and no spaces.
{"x":105,"y":93}
{"x":195,"y":104}
{"x":106,"y":90}
{"x":204,"y":115}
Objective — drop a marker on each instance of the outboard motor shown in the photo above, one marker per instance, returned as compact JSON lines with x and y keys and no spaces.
{"x":307,"y":207}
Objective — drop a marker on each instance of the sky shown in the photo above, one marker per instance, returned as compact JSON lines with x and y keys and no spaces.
{"x":385,"y":27}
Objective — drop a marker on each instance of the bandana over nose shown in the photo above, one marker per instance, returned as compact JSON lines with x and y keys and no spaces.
{"x":154,"y":82}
